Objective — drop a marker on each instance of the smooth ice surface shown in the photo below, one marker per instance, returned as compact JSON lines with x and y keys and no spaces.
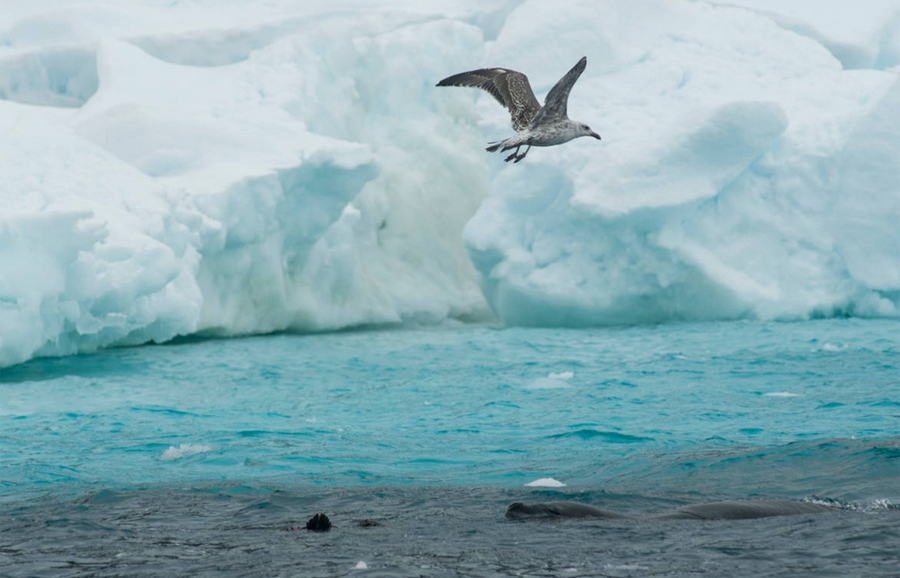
{"x":235,"y":167}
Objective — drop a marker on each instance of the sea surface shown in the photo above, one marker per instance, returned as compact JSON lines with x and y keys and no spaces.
{"x":197,"y":458}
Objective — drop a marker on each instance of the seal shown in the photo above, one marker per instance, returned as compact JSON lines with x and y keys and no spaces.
{"x":518,"y":510}
{"x":713,"y":511}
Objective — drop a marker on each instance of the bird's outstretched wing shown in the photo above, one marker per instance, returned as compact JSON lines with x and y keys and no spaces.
{"x":510,"y":88}
{"x":558,"y":97}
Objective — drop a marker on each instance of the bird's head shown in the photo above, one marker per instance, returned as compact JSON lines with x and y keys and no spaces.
{"x":586,"y":131}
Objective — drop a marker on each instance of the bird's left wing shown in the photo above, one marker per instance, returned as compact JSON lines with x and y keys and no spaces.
{"x":555,"y":105}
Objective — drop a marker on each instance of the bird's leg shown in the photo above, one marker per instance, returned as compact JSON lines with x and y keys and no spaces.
{"x":513,"y":155}
{"x":522,"y":156}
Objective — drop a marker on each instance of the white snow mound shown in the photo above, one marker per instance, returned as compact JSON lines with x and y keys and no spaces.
{"x":234,"y":167}
{"x":742,"y":173}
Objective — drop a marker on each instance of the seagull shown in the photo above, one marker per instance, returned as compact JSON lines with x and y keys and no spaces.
{"x":536,"y":126}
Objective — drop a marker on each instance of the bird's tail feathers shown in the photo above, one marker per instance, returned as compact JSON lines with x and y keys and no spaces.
{"x":494,"y":146}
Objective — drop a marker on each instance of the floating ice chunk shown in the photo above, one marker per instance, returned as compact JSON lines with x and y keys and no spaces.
{"x":833,"y":348}
{"x":361,"y":566}
{"x":552,"y":381}
{"x":183,"y":451}
{"x":548,"y":383}
{"x":546,"y":483}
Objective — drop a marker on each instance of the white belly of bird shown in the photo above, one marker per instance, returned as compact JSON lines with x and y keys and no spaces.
{"x":548,"y":136}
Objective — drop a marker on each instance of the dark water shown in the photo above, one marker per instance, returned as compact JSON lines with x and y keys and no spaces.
{"x":439,"y":531}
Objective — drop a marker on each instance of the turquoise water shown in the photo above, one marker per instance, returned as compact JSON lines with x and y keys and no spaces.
{"x":666,"y":409}
{"x":194,"y":458}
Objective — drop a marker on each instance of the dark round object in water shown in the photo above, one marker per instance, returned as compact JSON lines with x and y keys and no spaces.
{"x":319,"y":523}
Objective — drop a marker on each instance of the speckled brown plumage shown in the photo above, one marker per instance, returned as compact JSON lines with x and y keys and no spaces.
{"x":536,"y":126}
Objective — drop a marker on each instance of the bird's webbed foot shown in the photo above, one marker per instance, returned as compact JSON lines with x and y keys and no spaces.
{"x":521,"y":156}
{"x":514,"y":155}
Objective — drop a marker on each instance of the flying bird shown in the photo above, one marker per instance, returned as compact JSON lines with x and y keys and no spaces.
{"x":536,"y":126}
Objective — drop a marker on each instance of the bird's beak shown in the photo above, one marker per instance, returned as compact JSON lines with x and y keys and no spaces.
{"x":595,"y":135}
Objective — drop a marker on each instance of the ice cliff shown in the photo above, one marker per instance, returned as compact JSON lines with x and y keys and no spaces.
{"x":751,"y":176}
{"x":244,"y":167}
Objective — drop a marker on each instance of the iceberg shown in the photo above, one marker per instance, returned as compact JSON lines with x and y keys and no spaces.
{"x":230,"y":168}
{"x":862,"y":35}
{"x":161,"y":180}
{"x":745,"y":173}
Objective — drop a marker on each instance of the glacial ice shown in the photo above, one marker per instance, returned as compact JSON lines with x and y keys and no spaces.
{"x":242,"y":167}
{"x":859,"y":34}
{"x":751,"y":176}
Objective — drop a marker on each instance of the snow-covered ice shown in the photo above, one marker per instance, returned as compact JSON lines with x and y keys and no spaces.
{"x":743,"y":173}
{"x":859,"y":34}
{"x":243,"y":167}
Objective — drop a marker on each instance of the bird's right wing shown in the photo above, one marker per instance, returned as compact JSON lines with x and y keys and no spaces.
{"x":510,"y":88}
